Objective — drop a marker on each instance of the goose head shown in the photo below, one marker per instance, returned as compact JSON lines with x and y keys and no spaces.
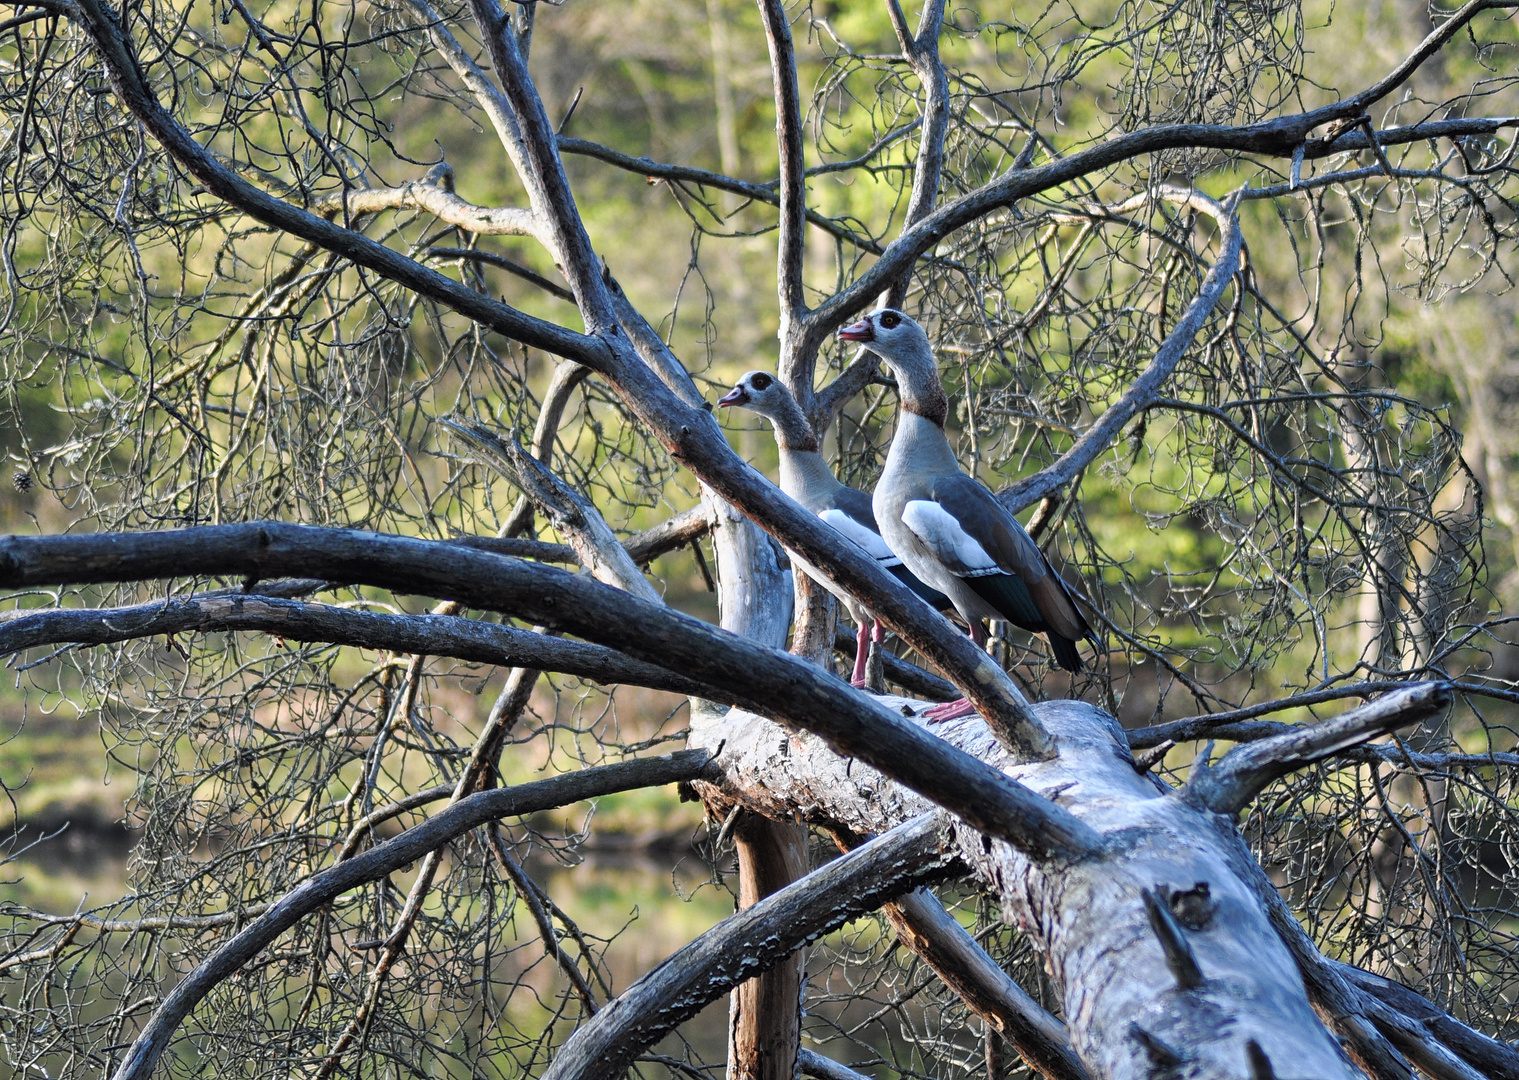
{"x":758,"y":391}
{"x":903,"y":347}
{"x":762,"y":392}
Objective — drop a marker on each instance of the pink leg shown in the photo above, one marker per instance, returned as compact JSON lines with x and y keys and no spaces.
{"x":861,"y":652}
{"x":877,"y":633}
{"x":953,"y":710}
{"x":949,"y":710}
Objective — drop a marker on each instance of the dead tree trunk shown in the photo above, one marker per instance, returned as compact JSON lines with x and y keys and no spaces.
{"x":1166,"y":957}
{"x":765,"y":1017}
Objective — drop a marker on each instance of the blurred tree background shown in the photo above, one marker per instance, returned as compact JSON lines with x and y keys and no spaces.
{"x":1325,"y":499}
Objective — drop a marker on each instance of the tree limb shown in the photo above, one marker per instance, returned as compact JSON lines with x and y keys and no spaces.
{"x":922,"y":52}
{"x":571,"y":514}
{"x":501,"y":262}
{"x":765,"y":193}
{"x":1087,"y":920}
{"x":516,"y":548}
{"x":1487,"y":1055}
{"x":433,"y":635}
{"x":1147,"y":387}
{"x":542,"y":173}
{"x":435,"y":195}
{"x":1239,"y":777}
{"x":931,"y":932}
{"x":793,"y":164}
{"x":674,"y":532}
{"x":740,"y":672}
{"x":103,"y":28}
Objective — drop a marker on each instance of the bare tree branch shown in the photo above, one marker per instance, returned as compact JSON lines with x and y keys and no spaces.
{"x":571,"y":514}
{"x":765,"y":193}
{"x":542,"y":173}
{"x":104,"y":30}
{"x":811,"y":1063}
{"x":1040,"y":1039}
{"x":434,"y":635}
{"x":501,"y":262}
{"x":1147,"y":387}
{"x":922,"y":52}
{"x":1239,"y":777}
{"x":674,"y":532}
{"x":1088,"y":920}
{"x":793,"y":166}
{"x":434,"y":194}
{"x":1488,"y":1056}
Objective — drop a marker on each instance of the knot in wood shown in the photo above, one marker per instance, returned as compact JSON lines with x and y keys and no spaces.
{"x":1192,"y":907}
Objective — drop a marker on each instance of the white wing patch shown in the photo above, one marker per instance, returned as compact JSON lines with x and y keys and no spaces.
{"x":862,"y":536}
{"x":947,"y":539}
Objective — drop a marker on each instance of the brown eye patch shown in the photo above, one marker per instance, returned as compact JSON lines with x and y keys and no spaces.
{"x":890,"y":320}
{"x":761,"y":381}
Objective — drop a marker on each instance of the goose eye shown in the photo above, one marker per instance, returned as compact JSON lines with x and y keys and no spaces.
{"x":761,"y":382}
{"x":891,"y":320}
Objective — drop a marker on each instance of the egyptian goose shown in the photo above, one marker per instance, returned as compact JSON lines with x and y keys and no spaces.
{"x":948,"y":528}
{"x":806,"y":477}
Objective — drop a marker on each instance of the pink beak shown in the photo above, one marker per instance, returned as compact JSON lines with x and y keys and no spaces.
{"x":737,"y":396}
{"x":863,"y":330}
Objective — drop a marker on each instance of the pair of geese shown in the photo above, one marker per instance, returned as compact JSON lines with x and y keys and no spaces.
{"x":938,"y":530}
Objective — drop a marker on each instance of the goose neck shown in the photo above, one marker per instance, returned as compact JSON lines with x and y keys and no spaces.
{"x":806,"y":477}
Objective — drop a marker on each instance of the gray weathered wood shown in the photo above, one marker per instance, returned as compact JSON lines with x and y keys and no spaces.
{"x":931,"y":932}
{"x":1232,"y":784}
